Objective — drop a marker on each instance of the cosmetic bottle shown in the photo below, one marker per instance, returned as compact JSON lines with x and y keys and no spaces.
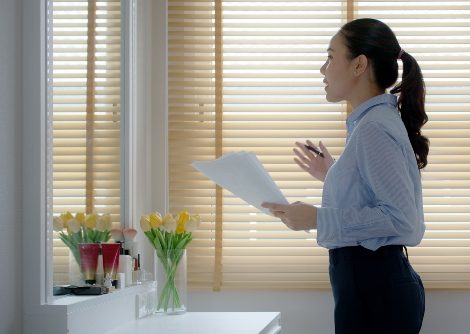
{"x":111,"y":257}
{"x":121,"y":281}
{"x":126,"y":267}
{"x":89,"y":253}
{"x":137,"y":273}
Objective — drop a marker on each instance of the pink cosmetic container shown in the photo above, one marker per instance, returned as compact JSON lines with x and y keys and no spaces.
{"x":111,"y":260}
{"x":89,"y":261}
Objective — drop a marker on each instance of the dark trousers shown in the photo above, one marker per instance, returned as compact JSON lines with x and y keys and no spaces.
{"x":375,"y":292}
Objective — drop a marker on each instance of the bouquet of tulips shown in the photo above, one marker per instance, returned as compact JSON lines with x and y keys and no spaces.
{"x":169,"y":235}
{"x":81,"y":228}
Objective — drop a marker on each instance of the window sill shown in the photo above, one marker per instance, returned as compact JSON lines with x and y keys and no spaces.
{"x":77,"y":302}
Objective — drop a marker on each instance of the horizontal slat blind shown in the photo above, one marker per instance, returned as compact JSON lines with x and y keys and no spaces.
{"x":191,"y":120}
{"x":273,"y":95}
{"x":70,"y":45}
{"x":437,"y":33}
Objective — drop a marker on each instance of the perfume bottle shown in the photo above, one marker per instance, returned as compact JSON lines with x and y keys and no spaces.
{"x":137,"y":273}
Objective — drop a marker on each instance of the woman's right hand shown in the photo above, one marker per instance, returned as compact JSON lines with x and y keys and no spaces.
{"x":313,"y":164}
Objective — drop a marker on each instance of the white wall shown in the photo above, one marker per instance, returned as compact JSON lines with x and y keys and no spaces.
{"x":312,"y":312}
{"x":10,"y":168}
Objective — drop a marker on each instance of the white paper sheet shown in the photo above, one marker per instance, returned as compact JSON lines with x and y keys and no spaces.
{"x":242,"y":174}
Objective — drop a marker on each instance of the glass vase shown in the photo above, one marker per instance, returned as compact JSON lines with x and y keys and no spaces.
{"x":171,"y":281}
{"x":75,"y":273}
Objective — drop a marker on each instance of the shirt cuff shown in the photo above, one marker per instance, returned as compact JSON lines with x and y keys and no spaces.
{"x":329,"y":226}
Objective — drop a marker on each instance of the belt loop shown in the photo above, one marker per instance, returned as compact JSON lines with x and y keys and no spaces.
{"x":406,"y":252}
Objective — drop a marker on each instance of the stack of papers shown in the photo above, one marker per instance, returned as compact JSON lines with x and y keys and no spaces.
{"x":242,"y":174}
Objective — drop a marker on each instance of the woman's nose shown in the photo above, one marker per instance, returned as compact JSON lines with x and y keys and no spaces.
{"x":322,"y":69}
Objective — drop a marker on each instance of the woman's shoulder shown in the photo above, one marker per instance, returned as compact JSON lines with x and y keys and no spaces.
{"x":384,"y":118}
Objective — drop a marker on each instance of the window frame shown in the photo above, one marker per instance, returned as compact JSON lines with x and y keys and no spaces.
{"x":139,"y":163}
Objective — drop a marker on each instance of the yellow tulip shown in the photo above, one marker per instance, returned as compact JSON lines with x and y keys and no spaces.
{"x":183,"y":218}
{"x":169,"y":223}
{"x":66,"y":216}
{"x":145,"y":223}
{"x":74,"y":226}
{"x":193,"y":223}
{"x":103,"y":222}
{"x":90,"y":221}
{"x":57,"y":224}
{"x":106,"y":218}
{"x":80,"y":217}
{"x":155,"y":219}
{"x":179,"y":229}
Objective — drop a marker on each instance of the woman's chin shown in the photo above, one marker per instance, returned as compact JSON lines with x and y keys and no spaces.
{"x":331,"y":98}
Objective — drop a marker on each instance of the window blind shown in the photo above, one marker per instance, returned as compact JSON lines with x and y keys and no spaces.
{"x":245,"y":76}
{"x":85,"y":46}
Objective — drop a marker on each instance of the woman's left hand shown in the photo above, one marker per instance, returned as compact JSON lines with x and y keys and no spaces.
{"x":297,"y":216}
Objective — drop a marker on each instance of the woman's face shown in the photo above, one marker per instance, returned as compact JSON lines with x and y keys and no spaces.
{"x":338,"y":71}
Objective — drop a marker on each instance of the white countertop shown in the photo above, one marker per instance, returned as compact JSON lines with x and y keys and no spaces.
{"x":205,"y":323}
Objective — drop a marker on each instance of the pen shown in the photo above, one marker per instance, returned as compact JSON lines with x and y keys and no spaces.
{"x":314,"y":150}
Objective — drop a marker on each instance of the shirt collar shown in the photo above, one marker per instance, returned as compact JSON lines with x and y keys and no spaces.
{"x":363,"y":108}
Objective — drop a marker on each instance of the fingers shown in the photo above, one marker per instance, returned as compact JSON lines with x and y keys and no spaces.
{"x":277,"y":210}
{"x":309,"y":142}
{"x":302,"y":157}
{"x":274,"y":206}
{"x":279,"y":214}
{"x":324,"y":149}
{"x":301,"y":165}
{"x":306,"y":154}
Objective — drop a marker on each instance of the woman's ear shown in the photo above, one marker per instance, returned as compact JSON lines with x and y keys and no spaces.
{"x":360,"y":65}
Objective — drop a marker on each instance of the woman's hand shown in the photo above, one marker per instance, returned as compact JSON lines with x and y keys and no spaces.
{"x":313,"y":164}
{"x":297,"y":216}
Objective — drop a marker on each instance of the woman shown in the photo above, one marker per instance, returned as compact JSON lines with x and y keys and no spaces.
{"x":372,"y":197}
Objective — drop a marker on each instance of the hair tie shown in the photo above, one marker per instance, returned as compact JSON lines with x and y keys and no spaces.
{"x":400,"y":53}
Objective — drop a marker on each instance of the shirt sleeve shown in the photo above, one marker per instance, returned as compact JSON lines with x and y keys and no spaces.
{"x":392,"y":212}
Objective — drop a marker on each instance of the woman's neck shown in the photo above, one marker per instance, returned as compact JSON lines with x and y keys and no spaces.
{"x":364,"y":89}
{"x":357,"y":100}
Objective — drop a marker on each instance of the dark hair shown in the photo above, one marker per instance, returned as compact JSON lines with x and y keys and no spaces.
{"x":378,"y":43}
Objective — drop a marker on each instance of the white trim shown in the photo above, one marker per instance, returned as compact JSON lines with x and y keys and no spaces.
{"x":33,"y":158}
{"x":151,"y":138}
{"x":42,"y":314}
{"x":49,"y":160}
{"x":127,"y":112}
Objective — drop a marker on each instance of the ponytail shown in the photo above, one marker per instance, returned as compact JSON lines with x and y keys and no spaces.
{"x":411,"y":107}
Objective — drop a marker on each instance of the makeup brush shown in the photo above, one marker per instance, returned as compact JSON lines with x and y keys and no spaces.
{"x":117,"y":235}
{"x":129,"y":235}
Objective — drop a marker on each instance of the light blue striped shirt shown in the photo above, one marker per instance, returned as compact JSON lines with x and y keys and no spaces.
{"x":372,"y":194}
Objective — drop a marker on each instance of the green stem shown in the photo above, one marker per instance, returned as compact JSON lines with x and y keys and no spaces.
{"x":170,"y":292}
